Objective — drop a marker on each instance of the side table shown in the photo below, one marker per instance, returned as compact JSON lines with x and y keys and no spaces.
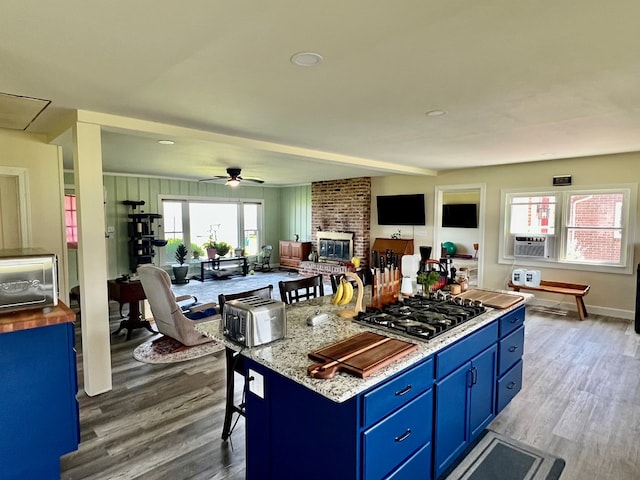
{"x":213,"y":265}
{"x":130,"y":292}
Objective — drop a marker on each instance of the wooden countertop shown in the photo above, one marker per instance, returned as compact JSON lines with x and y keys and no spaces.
{"x":35,"y":318}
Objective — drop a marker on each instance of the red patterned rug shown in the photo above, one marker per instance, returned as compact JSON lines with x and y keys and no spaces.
{"x":168,"y":350}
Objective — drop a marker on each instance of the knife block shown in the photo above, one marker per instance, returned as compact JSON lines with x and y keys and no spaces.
{"x":385,"y":289}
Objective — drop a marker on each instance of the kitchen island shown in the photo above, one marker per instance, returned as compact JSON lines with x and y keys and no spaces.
{"x":411,"y":419}
{"x":39,"y":416}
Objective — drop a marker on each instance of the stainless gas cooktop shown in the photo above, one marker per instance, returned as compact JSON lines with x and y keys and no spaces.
{"x":422,"y":317}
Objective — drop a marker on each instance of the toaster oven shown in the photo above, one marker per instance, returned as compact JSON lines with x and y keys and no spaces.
{"x":28,"y":279}
{"x":252,"y":321}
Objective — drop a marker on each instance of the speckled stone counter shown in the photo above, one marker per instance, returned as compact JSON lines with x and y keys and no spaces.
{"x":289,"y":356}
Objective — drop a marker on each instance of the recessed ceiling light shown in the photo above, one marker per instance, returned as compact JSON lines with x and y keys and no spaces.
{"x":436,"y":113}
{"x":306,"y":59}
{"x":166,"y":142}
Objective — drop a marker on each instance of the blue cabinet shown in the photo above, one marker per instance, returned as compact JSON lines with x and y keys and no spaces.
{"x":413,"y":425}
{"x":39,"y":417}
{"x":385,"y":432}
{"x":464,"y":398}
{"x":510,"y":351}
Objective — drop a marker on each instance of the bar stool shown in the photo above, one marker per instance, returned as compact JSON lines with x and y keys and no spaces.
{"x":294,"y":291}
{"x":235,"y":361}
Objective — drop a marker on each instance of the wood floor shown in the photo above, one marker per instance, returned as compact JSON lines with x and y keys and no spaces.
{"x":580,"y":401}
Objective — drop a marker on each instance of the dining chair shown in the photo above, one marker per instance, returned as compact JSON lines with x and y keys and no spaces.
{"x":363,"y":273}
{"x":234,"y":361}
{"x":293,"y":291}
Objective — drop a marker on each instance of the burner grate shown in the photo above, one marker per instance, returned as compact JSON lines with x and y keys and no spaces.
{"x":421,"y":317}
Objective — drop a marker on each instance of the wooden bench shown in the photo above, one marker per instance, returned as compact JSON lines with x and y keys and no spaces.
{"x":577,"y":290}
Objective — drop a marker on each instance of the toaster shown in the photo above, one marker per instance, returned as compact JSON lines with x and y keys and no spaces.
{"x":253,"y":321}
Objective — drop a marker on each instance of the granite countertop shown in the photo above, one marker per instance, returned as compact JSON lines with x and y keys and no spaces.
{"x":289,"y":356}
{"x":35,"y":318}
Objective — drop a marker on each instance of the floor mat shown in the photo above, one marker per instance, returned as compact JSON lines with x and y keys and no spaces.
{"x":168,"y":350}
{"x":496,"y":457}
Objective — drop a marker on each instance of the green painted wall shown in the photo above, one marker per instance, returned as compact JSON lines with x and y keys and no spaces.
{"x":295,"y":212}
{"x":287,"y":210}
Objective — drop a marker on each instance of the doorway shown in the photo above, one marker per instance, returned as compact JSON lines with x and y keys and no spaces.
{"x":468,"y":240}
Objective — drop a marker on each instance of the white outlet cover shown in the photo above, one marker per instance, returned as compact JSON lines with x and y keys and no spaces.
{"x":256,"y":385}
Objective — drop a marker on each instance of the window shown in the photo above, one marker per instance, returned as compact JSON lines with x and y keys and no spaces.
{"x":531,"y":215}
{"x":71,"y":220}
{"x":193,"y":221}
{"x":583,"y":227}
{"x":594,"y":228}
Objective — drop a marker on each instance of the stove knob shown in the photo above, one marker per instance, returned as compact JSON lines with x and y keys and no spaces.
{"x":468,"y":302}
{"x":458,"y":301}
{"x":478,"y":303}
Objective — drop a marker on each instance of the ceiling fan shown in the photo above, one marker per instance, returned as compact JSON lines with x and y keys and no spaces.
{"x":232,"y":178}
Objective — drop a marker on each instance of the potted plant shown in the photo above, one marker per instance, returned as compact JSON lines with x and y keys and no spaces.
{"x":222,"y":248}
{"x":428,"y":280}
{"x":196,"y":251}
{"x":180,"y":271}
{"x":210,"y":247}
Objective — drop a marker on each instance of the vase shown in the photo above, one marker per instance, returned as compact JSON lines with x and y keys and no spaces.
{"x":180,"y":274}
{"x":211,"y":253}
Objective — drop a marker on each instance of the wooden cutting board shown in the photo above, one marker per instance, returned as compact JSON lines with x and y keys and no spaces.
{"x":360,"y":355}
{"x":492,"y":299}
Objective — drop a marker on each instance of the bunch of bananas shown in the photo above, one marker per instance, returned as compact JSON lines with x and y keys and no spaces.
{"x":344,"y":293}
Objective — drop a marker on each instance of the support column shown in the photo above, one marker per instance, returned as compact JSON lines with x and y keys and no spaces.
{"x":92,"y":258}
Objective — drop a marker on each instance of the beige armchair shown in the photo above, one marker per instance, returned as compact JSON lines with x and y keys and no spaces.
{"x":169,"y":317}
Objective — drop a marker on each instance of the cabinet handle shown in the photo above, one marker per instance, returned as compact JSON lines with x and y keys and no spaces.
{"x":513,"y":348}
{"x":404,"y":436}
{"x":515,"y":319}
{"x":474,"y":376}
{"x":404,"y":391}
{"x":511,"y":385}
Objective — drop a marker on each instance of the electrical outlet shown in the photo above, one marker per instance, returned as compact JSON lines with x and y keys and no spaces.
{"x":256,"y":383}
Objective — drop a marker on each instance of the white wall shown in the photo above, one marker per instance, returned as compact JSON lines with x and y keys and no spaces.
{"x":46,"y":187}
{"x":611,"y":294}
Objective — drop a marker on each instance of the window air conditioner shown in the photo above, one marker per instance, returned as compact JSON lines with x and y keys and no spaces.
{"x":539,"y":246}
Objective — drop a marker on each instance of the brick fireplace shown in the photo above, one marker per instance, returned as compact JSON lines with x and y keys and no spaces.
{"x":342,"y":207}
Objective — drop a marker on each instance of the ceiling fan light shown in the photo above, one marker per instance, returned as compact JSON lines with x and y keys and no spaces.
{"x":233,"y":182}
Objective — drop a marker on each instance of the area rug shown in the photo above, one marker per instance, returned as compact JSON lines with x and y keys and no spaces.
{"x":168,"y":350}
{"x":496,"y":457}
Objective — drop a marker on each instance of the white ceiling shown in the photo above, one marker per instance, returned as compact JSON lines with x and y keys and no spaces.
{"x":520,"y":81}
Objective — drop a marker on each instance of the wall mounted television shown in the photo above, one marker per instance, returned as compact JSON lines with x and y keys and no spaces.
{"x":401,"y":209}
{"x":460,"y":215}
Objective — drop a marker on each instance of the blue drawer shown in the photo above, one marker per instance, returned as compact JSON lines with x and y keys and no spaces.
{"x":397,"y":392}
{"x":390,"y":442}
{"x":510,"y":350}
{"x":511,"y":321}
{"x":508,"y":386}
{"x":458,"y":353}
{"x":418,"y":466}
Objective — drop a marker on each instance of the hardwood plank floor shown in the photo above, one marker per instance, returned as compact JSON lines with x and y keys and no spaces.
{"x":158,"y":421}
{"x":580,"y":401}
{"x":581,"y":395}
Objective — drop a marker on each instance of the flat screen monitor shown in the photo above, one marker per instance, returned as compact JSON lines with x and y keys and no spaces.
{"x":460,"y":215}
{"x":401,"y":209}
